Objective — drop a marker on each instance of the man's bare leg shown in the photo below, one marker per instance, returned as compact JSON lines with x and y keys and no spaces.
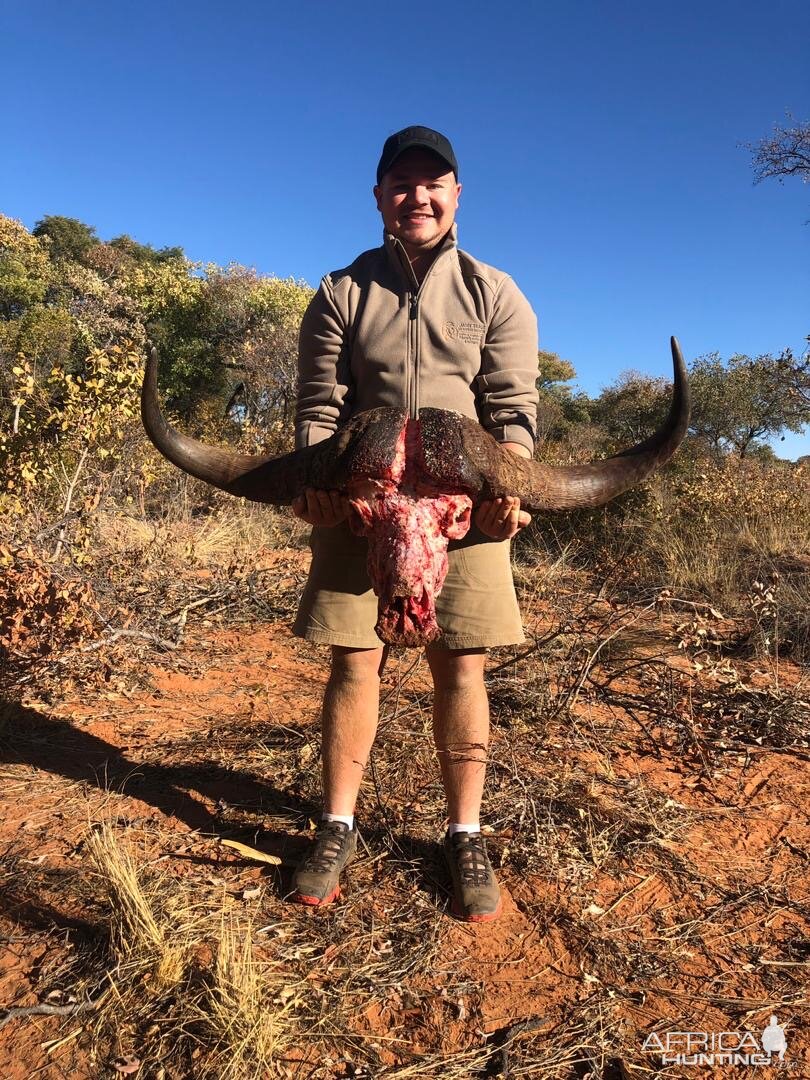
{"x":461,"y":731}
{"x":460,"y":727}
{"x":350,"y":715}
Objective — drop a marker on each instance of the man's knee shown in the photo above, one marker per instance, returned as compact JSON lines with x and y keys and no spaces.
{"x":455,"y":669}
{"x":357,"y":665}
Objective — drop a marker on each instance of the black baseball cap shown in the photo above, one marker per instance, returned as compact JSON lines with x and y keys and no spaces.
{"x":423,"y":137}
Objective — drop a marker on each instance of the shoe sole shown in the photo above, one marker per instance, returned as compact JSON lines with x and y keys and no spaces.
{"x":316,"y":901}
{"x":490,"y":916}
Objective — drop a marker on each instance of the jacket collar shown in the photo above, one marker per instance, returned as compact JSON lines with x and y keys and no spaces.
{"x":397,"y":255}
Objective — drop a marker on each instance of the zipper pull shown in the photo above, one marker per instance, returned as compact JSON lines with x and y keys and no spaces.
{"x":414,"y":301}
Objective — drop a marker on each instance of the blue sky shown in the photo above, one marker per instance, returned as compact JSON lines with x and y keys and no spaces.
{"x":597,"y":145}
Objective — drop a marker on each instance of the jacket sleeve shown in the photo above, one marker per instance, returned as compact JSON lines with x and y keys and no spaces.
{"x":507,"y":383}
{"x":324,"y":382}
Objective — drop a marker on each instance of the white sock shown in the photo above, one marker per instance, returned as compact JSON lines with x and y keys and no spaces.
{"x":454,"y":827}
{"x":347,"y":819}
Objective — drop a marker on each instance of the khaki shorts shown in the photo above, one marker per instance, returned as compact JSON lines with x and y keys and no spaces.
{"x":476,"y":609}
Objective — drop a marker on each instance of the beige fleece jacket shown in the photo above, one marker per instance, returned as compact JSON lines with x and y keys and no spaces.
{"x":465,"y":339}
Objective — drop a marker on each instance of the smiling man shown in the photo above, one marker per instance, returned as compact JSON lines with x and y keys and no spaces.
{"x":415,"y":323}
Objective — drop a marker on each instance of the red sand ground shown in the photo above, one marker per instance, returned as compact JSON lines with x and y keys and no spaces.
{"x":753,"y":829}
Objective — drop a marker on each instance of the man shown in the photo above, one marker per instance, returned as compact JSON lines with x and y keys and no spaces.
{"x":415,"y":323}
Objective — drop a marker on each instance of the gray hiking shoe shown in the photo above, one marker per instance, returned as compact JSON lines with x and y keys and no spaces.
{"x":476,"y":896}
{"x":317,"y":879}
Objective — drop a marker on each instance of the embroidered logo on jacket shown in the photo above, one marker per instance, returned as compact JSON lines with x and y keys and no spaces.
{"x":469,"y":332}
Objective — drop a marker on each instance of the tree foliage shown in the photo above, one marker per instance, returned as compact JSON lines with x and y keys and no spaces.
{"x":632,"y":407}
{"x":553,"y":372}
{"x":784,"y":153}
{"x":65,"y":238}
{"x":64,"y":292}
{"x":735,"y":405}
{"x":559,"y":407}
{"x":144,"y":254}
{"x":739,"y":404}
{"x":76,"y":315}
{"x":25,"y":269}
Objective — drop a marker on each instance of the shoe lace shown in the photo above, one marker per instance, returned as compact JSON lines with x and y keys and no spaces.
{"x":473,"y":864}
{"x":328,"y":847}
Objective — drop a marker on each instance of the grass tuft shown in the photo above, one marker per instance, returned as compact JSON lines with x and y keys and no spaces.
{"x":246,"y":1027}
{"x":227,"y":1018}
{"x":143,"y":928}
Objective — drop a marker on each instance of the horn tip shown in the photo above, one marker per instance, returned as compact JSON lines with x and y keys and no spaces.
{"x":677,"y":356}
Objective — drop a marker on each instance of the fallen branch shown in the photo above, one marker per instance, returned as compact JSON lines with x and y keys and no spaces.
{"x":692,"y":604}
{"x":120,"y":632}
{"x":179,"y":614}
{"x":503,"y":1039}
{"x":51,"y":1010}
{"x":538,"y":644}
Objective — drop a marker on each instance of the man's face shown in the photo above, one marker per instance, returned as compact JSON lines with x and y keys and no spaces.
{"x":418,"y":199}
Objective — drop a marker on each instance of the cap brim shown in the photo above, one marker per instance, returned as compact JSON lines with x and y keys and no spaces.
{"x":417,"y":144}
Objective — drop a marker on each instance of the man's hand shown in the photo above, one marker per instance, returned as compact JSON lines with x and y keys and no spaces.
{"x":321,"y":507}
{"x":502,"y":518}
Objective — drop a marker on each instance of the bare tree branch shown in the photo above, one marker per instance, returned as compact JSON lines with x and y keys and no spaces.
{"x":785,"y":153}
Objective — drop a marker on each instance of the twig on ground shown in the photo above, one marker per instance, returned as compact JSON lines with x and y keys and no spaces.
{"x":51,"y":1010}
{"x":503,"y":1039}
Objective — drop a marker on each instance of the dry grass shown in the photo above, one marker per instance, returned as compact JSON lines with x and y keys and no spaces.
{"x":197,"y":984}
{"x":711,"y":533}
{"x":150,"y":933}
{"x":165,"y":999}
{"x":234,"y":531}
{"x":247,"y":1023}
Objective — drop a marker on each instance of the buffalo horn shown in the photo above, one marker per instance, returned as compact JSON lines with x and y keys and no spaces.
{"x":568,"y":487}
{"x":260,"y":478}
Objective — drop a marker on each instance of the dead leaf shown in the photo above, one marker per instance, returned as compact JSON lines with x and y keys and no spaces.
{"x":251,"y":894}
{"x":127,"y":1066}
{"x":251,"y":853}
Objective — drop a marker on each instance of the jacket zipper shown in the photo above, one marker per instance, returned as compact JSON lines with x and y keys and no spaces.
{"x":413,"y":327}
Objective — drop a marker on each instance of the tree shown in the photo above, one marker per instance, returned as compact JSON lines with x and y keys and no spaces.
{"x":558,"y":407}
{"x":25,"y":270}
{"x":785,"y":153}
{"x":266,"y":354}
{"x":793,"y":374}
{"x":737,"y":405}
{"x":553,"y":371}
{"x":68,"y":238}
{"x":144,"y":253}
{"x":633,"y":407}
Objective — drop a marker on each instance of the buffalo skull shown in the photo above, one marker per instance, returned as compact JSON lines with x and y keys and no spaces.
{"x":412,"y":483}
